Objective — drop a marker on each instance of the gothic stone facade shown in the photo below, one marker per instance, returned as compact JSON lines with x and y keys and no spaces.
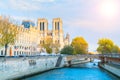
{"x":29,"y":39}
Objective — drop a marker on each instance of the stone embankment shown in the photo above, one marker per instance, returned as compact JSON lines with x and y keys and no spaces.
{"x":73,"y":60}
{"x":15,"y":68}
{"x":114,"y":69}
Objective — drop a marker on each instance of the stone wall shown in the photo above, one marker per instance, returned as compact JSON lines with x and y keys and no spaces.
{"x":20,"y":67}
{"x":112,"y":69}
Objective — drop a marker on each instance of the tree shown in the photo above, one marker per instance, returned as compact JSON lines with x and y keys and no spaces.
{"x":8,"y":33}
{"x":67,"y":50}
{"x":48,"y":49}
{"x":80,"y":45}
{"x":48,"y":45}
{"x":107,"y":46}
{"x":115,"y":49}
{"x":56,"y":47}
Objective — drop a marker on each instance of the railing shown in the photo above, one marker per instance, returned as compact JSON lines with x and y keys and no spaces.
{"x":111,"y":55}
{"x":110,"y":58}
{"x":71,"y":57}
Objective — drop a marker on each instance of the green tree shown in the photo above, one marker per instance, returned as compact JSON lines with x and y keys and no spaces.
{"x":67,"y":50}
{"x":8,"y":33}
{"x":115,"y":49}
{"x":107,"y":46}
{"x":80,"y":45}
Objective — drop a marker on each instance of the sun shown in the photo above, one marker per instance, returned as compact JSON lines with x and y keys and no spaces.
{"x":109,"y":8}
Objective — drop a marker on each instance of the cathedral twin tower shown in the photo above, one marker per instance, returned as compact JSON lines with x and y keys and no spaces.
{"x":43,"y":24}
{"x":56,"y":34}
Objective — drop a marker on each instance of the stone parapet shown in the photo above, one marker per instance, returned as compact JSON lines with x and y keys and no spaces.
{"x":20,"y":67}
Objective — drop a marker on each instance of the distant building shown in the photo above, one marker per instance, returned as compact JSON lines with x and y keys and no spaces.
{"x":28,"y":23}
{"x":30,"y":37}
{"x":56,"y":34}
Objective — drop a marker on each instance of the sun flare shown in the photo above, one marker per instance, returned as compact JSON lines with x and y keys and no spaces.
{"x":109,"y":8}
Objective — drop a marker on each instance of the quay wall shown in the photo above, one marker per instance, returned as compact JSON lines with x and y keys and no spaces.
{"x":14,"y":68}
{"x":114,"y":70}
{"x":69,"y":61}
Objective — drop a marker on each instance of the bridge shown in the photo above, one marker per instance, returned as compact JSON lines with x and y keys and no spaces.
{"x":110,"y":58}
{"x":105,"y":58}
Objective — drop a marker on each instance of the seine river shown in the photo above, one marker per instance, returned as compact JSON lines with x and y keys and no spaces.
{"x":88,"y":71}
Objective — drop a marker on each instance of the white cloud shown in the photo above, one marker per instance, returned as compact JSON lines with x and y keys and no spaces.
{"x":23,"y":5}
{"x":27,"y":5}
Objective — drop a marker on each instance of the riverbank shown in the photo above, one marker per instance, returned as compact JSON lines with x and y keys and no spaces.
{"x":22,"y":67}
{"x":114,"y":69}
{"x":16,"y":68}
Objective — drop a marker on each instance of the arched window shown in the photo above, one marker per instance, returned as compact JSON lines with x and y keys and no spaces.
{"x":40,"y":26}
{"x":43,"y":26}
{"x":58,"y":26}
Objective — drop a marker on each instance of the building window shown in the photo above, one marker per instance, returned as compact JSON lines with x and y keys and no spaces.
{"x":14,"y":47}
{"x":14,"y":53}
{"x":55,"y":26}
{"x":43,"y":26}
{"x":40,"y":25}
{"x":20,"y":47}
{"x":20,"y":52}
{"x":17,"y":53}
{"x":2,"y":52}
{"x":58,"y":26}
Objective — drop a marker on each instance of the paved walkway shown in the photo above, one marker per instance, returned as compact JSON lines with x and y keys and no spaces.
{"x":114,"y":65}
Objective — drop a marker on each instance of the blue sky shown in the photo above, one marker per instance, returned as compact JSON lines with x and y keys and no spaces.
{"x":87,"y":18}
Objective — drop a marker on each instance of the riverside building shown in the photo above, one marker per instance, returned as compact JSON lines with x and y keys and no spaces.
{"x":30,"y":37}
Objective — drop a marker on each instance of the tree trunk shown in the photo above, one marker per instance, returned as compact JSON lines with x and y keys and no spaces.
{"x":6,"y":46}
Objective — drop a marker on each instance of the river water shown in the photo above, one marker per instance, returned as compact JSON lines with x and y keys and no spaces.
{"x":88,"y":71}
